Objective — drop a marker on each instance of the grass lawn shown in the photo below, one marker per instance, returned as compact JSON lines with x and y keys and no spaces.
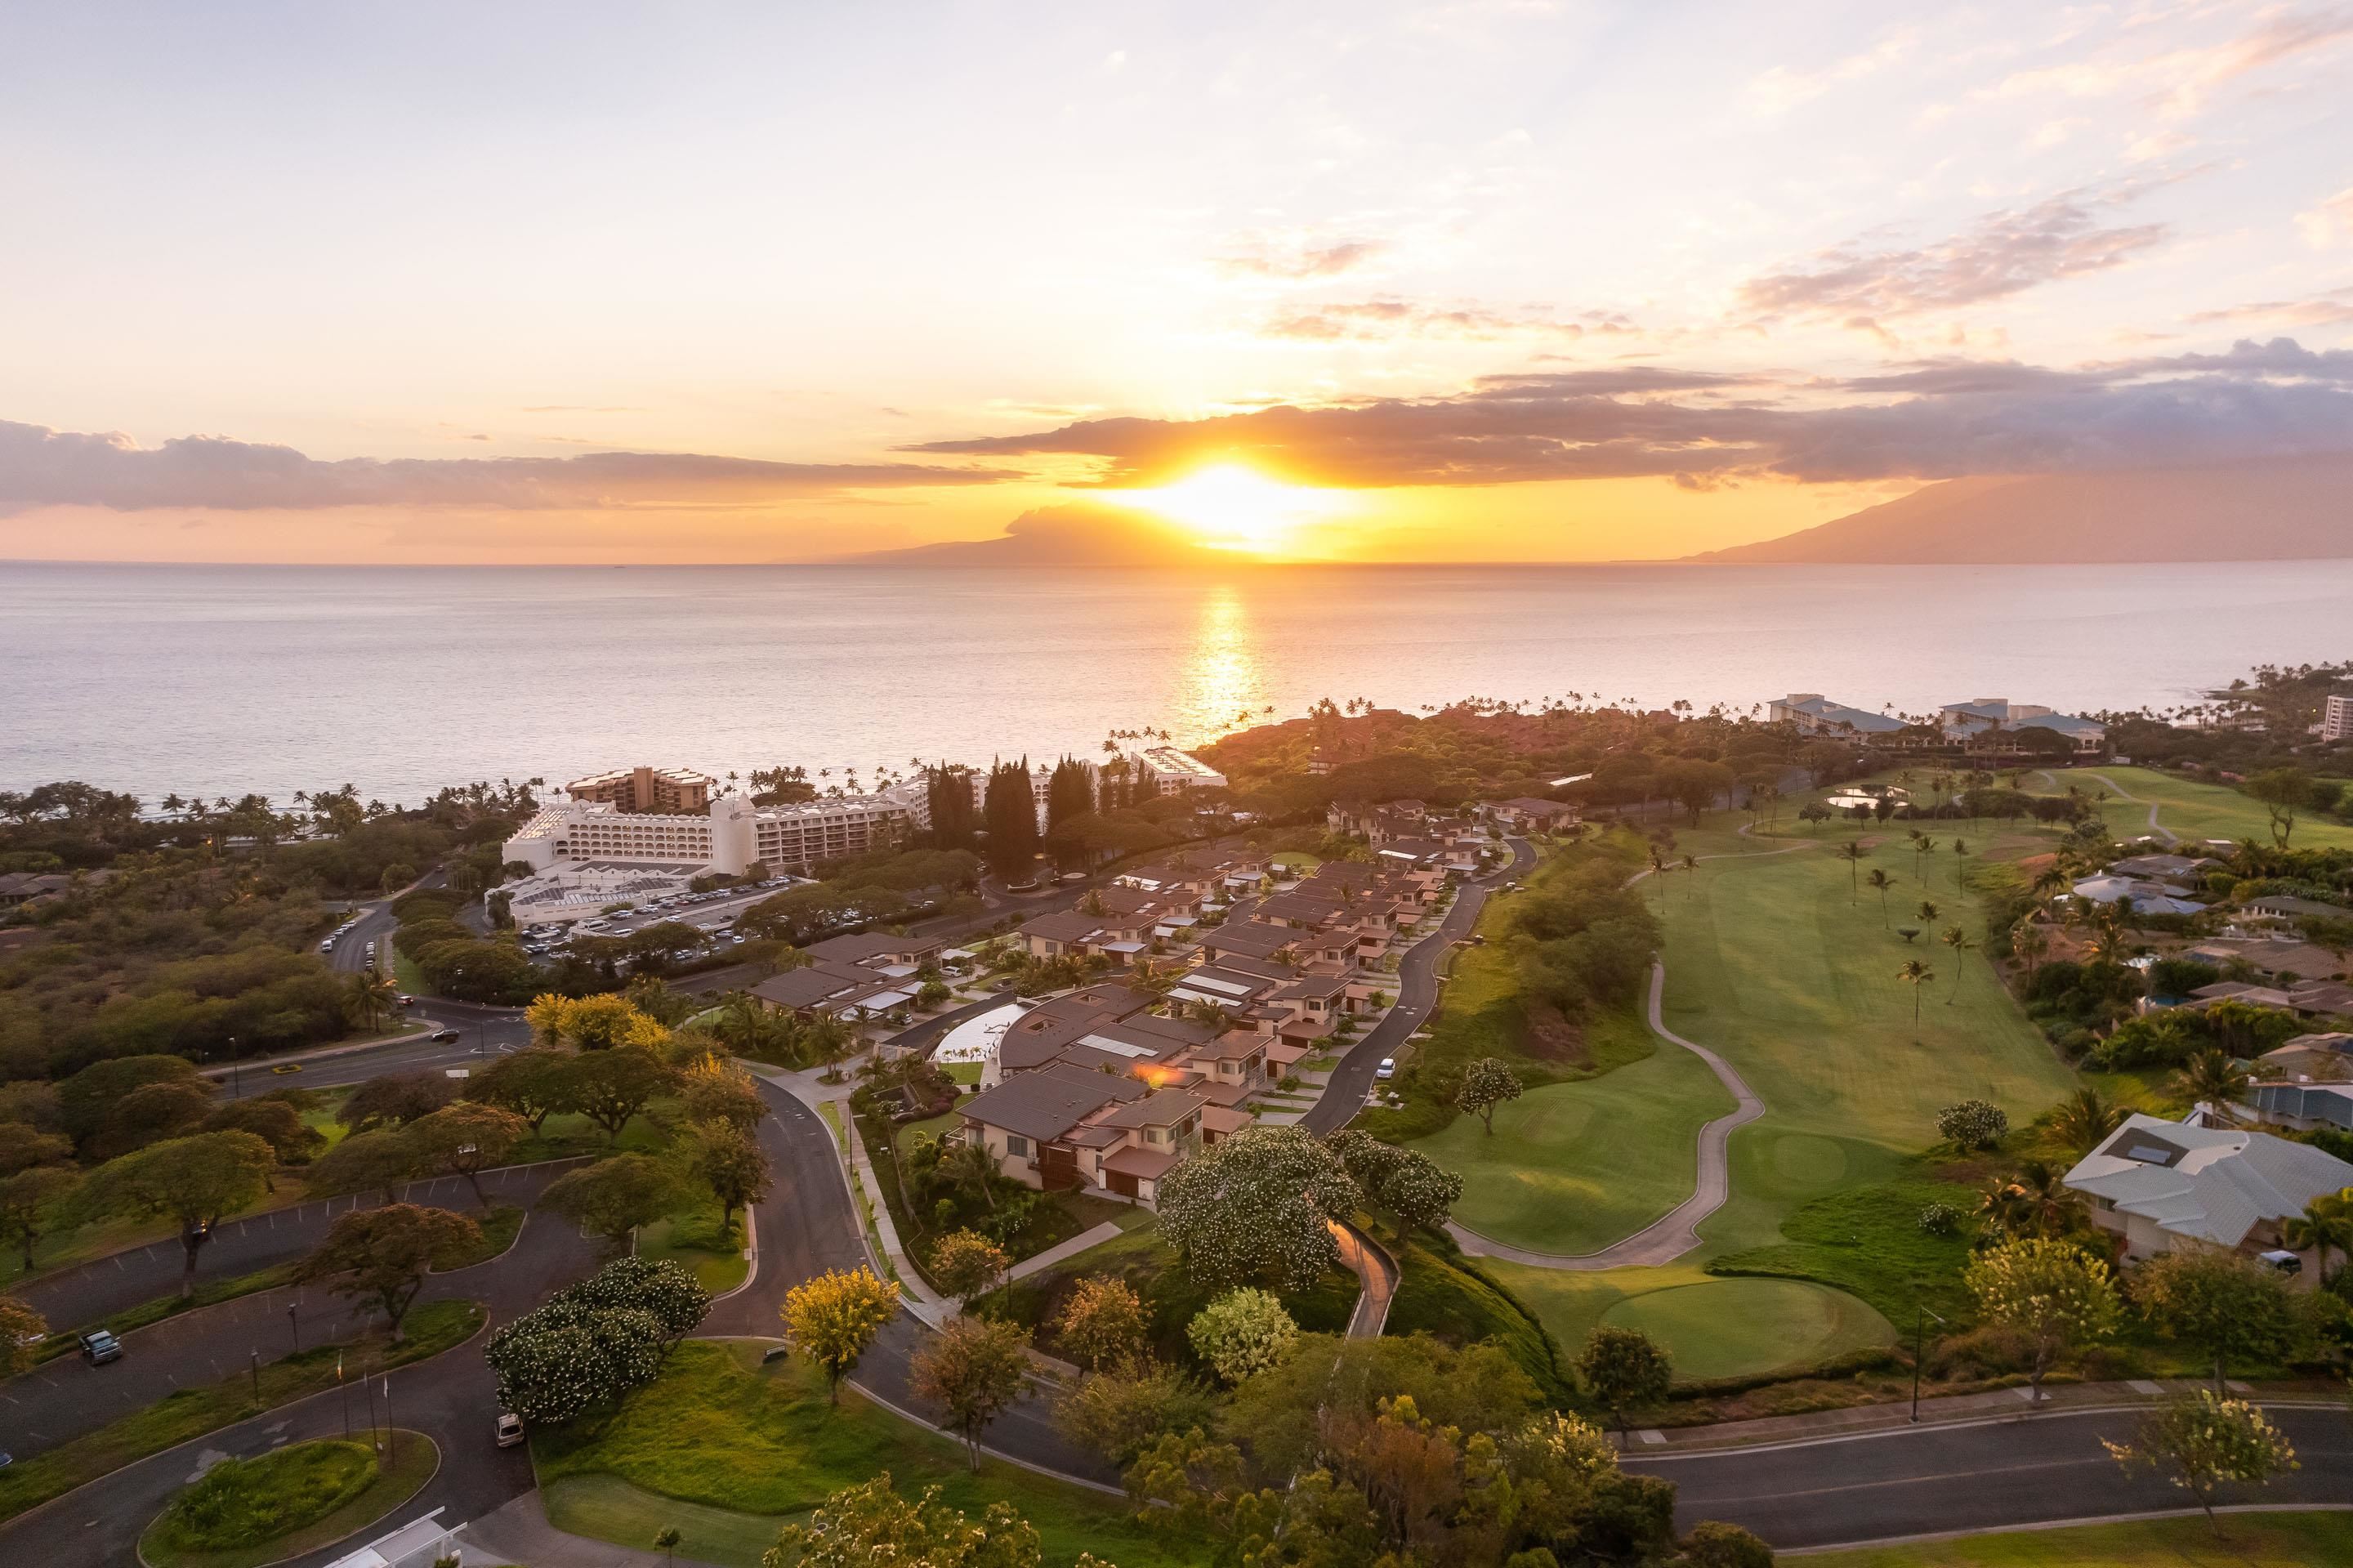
{"x":2196,"y":811}
{"x":321,"y":1491}
{"x":966,"y":1075}
{"x":500,"y":1226}
{"x":2285,"y":1540}
{"x":1776,"y":963}
{"x":717,"y":1262}
{"x":201,"y":1408}
{"x":744,"y":1440}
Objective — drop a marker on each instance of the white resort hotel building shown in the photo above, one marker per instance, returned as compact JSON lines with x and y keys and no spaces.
{"x":730,"y":836}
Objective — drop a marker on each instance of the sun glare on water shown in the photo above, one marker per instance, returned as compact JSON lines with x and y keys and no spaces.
{"x":1235,"y":508}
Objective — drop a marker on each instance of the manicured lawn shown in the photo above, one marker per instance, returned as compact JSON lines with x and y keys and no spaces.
{"x":746,"y":1440}
{"x":692,"y":1239}
{"x":1573,"y":1167}
{"x":301,"y":1481}
{"x":2198,"y":810}
{"x":201,"y":1408}
{"x":1733,"y":1327}
{"x":2248,"y":1540}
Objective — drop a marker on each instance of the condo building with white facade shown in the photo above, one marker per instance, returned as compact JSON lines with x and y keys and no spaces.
{"x":731,"y":837}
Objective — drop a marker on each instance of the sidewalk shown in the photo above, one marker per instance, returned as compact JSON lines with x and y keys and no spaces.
{"x":1994,"y":1404}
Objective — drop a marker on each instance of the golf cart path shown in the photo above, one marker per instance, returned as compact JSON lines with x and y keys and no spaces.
{"x":1675,"y":1233}
{"x":2160,"y":829}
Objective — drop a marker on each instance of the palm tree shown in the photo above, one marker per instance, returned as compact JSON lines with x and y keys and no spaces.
{"x":2327,"y":1222}
{"x":2213,"y":1078}
{"x":2037,"y":1201}
{"x":2084,"y":1118}
{"x":1960,"y":859}
{"x":2029,"y":941}
{"x":1915,"y":974}
{"x":968,"y":1163}
{"x":1883,"y":882}
{"x":1956,"y":938}
{"x":370,"y":993}
{"x":1927,"y":912}
{"x":1691,"y":864}
{"x":1854,"y":853}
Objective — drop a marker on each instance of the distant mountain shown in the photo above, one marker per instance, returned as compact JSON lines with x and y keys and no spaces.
{"x":2289,"y":509}
{"x":1075,"y":536}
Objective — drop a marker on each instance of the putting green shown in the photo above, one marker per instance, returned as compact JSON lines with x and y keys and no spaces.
{"x":1738,"y":1328}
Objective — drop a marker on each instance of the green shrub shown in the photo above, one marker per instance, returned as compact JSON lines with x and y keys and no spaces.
{"x":245,"y":1502}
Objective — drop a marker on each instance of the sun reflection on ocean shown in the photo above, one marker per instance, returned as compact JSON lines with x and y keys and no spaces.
{"x":1223,"y":686}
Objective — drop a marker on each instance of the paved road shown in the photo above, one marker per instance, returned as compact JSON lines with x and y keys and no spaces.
{"x":1352,"y":1079}
{"x":2034,"y":1469}
{"x":451,"y":1397}
{"x":1676,"y":1232}
{"x":483,"y":1032}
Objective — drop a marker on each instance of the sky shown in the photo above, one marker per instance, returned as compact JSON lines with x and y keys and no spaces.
{"x":1509,"y":281}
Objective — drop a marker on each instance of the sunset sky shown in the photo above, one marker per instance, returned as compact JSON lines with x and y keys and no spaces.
{"x":1510,"y":281}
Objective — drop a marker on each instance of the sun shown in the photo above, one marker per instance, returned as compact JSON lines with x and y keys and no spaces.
{"x":1234,"y":508}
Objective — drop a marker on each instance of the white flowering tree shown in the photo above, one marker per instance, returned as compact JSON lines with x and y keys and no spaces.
{"x":2203,"y":1443}
{"x":566,"y":1360}
{"x":1486,"y":1085}
{"x":1257,"y":1206}
{"x":1241,"y":1332}
{"x":2052,"y":1293}
{"x":1972,"y":1124}
{"x":666,"y":1291}
{"x":1405,"y":1182}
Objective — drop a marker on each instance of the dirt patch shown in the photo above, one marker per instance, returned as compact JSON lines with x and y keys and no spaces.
{"x":1550,"y":1036}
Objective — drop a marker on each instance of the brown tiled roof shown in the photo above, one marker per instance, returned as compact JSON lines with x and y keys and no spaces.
{"x":1162,"y":1107}
{"x":1145,"y":1164}
{"x":818,"y":983}
{"x":1044,"y":1104}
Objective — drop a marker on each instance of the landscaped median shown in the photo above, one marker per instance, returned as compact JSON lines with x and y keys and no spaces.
{"x":726,"y":1447}
{"x":195,"y":1411}
{"x":246,"y":1513}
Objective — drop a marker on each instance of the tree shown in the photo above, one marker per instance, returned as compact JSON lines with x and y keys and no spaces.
{"x":833,"y":1317}
{"x":1712,"y":1543}
{"x":663,"y":1290}
{"x":1973,"y":1125}
{"x":1957,"y":940}
{"x":195,"y":1183}
{"x":276,"y":1122}
{"x":614,"y":1196}
{"x":375,"y":1161}
{"x":566,"y":1359}
{"x":1854,"y":855}
{"x":666,"y":1540}
{"x":1486,"y":1084}
{"x":611,"y":1086}
{"x":2033,"y":1202}
{"x":2225,"y":1305}
{"x":1120,"y":1411}
{"x":974,"y":1370}
{"x":1881,"y":883}
{"x":88,"y":1098}
{"x":1070,"y":791}
{"x":22,"y":1330}
{"x":2326,"y":1224}
{"x":465,"y":1139}
{"x":716,"y":1089}
{"x":1419,"y":1192}
{"x":24,"y":1146}
{"x":1915,"y":974}
{"x":1011,"y":813}
{"x":395,"y":1098}
{"x":1101,"y":1325}
{"x":869,"y":1525}
{"x":2085,"y":1118}
{"x":729,"y":1161}
{"x":966,"y":1263}
{"x":2285,"y":791}
{"x":535,"y":1083}
{"x":948,"y":792}
{"x":381,"y":1256}
{"x":27,"y":1201}
{"x":1241,"y":1332}
{"x":2204,"y":1441}
{"x":1257,"y":1204}
{"x":2211,"y":1078}
{"x":371,"y":994}
{"x":2052,"y":1293}
{"x":1623,"y":1368}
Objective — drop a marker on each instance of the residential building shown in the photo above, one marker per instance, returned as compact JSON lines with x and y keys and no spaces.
{"x":2336,"y":717}
{"x":648,"y":791}
{"x":1984,"y":716}
{"x":2303,"y":1107}
{"x":2161,"y":1184}
{"x":1527,"y":814}
{"x":1813,"y":714}
{"x":730,"y":836}
{"x":862,"y":975}
{"x":1170,"y":771}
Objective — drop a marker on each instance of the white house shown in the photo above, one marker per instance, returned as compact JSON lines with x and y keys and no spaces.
{"x":2157,"y":1184}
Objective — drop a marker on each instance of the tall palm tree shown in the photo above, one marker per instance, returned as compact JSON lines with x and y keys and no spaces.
{"x":371,"y":992}
{"x":1960,"y":861}
{"x":2327,"y":1222}
{"x":1956,"y":938}
{"x":1691,"y":866}
{"x":1927,"y":912}
{"x":2029,"y":941}
{"x":968,"y":1163}
{"x":1883,"y":882}
{"x":2085,"y":1119}
{"x":1915,"y":974}
{"x":2213,"y":1078}
{"x":1854,"y":853}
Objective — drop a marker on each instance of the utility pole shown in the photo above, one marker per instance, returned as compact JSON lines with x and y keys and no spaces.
{"x":1919,"y":1334}
{"x":255,"y":1358}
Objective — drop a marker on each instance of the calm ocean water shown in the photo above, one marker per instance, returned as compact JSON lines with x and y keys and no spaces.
{"x":224,"y":679}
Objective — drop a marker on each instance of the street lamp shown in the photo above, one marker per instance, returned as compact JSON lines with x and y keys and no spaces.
{"x":1919,"y":1334}
{"x":294,"y":1326}
{"x":235,"y":1087}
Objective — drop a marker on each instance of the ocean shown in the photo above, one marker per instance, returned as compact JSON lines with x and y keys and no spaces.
{"x":221,"y":679}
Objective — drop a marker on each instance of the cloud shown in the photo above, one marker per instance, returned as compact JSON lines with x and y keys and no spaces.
{"x":1298,"y":259}
{"x":1382,"y":319}
{"x":2333,"y":308}
{"x":1928,"y":421}
{"x":2000,"y":254}
{"x":1780,"y":90}
{"x":2179,"y":82}
{"x":42,"y":466}
{"x":2330,"y":224}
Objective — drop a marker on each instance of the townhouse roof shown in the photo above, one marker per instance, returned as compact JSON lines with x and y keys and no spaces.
{"x":1300,"y":906}
{"x":1063,"y":925}
{"x":1160,"y":1108}
{"x":1047,"y":1103}
{"x":1143,"y":1165}
{"x":1248,"y":937}
{"x":2280,"y":904}
{"x":1306,"y":988}
{"x":2162,"y":865}
{"x":2214,"y":1184}
{"x":1233,"y":1045}
{"x":868,"y":947}
{"x":2331,"y":1103}
{"x":814,"y":984}
{"x":1528,"y":805}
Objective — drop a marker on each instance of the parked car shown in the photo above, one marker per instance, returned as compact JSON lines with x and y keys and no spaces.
{"x":2285,"y":1262}
{"x":445,"y":1037}
{"x":1387,"y":1069}
{"x":509,"y":1429}
{"x":99,"y":1347}
{"x":404,"y":1002}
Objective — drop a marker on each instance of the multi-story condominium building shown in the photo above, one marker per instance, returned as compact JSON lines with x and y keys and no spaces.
{"x":2337,"y":718}
{"x":647,"y":790}
{"x":731,"y":836}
